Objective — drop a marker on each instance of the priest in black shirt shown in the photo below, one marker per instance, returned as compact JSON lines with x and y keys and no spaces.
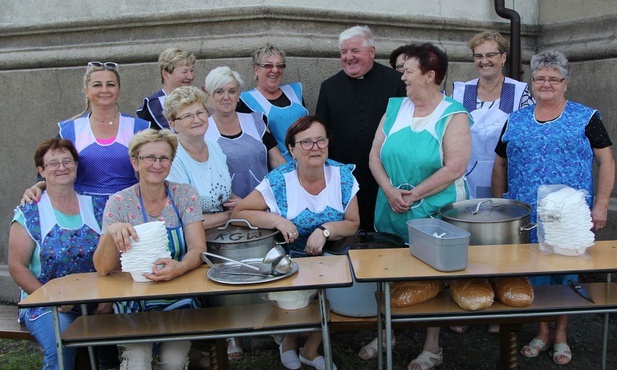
{"x":352,"y":103}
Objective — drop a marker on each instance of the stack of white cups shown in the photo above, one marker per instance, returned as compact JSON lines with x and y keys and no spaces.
{"x":152,"y":245}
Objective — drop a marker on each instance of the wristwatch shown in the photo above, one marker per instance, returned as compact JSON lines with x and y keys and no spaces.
{"x":326,"y":232}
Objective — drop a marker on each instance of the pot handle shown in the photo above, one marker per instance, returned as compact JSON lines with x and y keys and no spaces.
{"x":237,"y":220}
{"x":484,"y":201}
{"x":527,"y":228}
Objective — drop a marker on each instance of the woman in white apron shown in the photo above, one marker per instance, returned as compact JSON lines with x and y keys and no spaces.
{"x":490,"y":99}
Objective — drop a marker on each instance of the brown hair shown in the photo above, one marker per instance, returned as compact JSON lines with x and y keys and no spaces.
{"x":430,"y":58}
{"x":302,"y":124}
{"x":53,"y":145}
{"x":481,"y":37}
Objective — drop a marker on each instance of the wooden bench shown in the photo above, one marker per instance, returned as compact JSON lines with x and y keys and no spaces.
{"x":9,"y":327}
{"x":213,"y":323}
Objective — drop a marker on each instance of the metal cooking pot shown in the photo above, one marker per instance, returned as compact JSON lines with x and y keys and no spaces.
{"x":238,"y":243}
{"x":359,"y":299}
{"x":491,"y":220}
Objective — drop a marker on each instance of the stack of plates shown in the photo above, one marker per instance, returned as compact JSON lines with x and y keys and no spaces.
{"x":566,"y":221}
{"x":151,"y":246}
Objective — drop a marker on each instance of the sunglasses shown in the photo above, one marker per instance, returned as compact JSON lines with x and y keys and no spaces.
{"x":106,"y":65}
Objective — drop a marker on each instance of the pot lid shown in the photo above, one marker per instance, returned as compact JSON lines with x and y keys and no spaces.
{"x":488,"y":210}
{"x":238,"y":234}
{"x":364,"y":240}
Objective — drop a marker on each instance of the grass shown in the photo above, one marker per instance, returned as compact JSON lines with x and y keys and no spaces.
{"x":20,"y":355}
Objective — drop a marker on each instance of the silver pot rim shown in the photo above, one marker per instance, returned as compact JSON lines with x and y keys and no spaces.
{"x":485,"y":210}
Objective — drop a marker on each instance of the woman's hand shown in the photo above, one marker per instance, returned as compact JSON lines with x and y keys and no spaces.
{"x":164,"y":269}
{"x":398,"y":199}
{"x":121,"y":234}
{"x":230,"y":204}
{"x":66,"y":308}
{"x":287,"y":229}
{"x":315,"y":243}
{"x":103,"y":308}
{"x":31,"y":195}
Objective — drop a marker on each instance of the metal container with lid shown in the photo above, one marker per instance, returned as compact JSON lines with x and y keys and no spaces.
{"x":490,"y":220}
{"x":239,"y":243}
{"x":359,"y":299}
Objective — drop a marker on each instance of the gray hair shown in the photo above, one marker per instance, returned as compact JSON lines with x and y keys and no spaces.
{"x":181,"y":97}
{"x":266,"y":52}
{"x":550,"y":59}
{"x":362,"y":31}
{"x":221,"y":76}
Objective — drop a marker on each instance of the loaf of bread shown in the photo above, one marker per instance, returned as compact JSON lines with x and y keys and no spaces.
{"x":513,"y":291}
{"x":472,"y":294}
{"x":408,"y":293}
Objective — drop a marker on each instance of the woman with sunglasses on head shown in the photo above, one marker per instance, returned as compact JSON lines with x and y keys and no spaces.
{"x":154,"y":199}
{"x":555,"y":141}
{"x":323,"y":207}
{"x":250,"y":148}
{"x":53,"y":238}
{"x":282,"y":104}
{"x":101,"y":135}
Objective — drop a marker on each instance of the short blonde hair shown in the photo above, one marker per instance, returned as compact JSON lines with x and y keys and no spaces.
{"x":182,"y":97}
{"x":221,"y":76}
{"x":172,"y":56}
{"x":265,"y":52}
{"x":150,"y":136}
{"x":481,"y":37}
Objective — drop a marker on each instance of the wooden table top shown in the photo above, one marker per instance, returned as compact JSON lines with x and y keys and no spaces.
{"x":483,"y":261}
{"x":313,"y":273}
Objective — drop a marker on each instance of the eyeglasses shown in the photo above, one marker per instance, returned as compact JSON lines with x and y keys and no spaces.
{"x":201,"y":114}
{"x":151,"y":159}
{"x":270,"y":66}
{"x":540,"y":80}
{"x":55,"y":165}
{"x":106,"y":65}
{"x":400,"y":67}
{"x":490,"y":55}
{"x":309,"y":144}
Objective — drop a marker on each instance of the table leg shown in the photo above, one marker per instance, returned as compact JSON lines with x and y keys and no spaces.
{"x":58,"y":335}
{"x":84,"y":312}
{"x":508,"y":347}
{"x":379,"y":329}
{"x":325,"y":331}
{"x":389,"y":362}
{"x":606,"y":318}
{"x":218,"y":354}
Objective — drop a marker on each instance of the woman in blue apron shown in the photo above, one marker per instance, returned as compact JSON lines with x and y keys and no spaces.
{"x":53,"y":238}
{"x":154,"y":199}
{"x":309,"y":200}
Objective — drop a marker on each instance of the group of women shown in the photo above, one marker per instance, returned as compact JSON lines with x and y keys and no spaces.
{"x":257,"y":155}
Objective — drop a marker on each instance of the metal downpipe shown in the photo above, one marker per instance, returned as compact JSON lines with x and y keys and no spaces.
{"x":514,"y":59}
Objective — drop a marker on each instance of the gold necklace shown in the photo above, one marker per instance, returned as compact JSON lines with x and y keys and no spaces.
{"x":57,"y":205}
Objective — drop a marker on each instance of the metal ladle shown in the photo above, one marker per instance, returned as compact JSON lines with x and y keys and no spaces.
{"x":275,"y":261}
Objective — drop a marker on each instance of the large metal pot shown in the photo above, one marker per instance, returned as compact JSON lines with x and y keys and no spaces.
{"x":359,"y":299}
{"x":490,"y":220}
{"x":238,"y":243}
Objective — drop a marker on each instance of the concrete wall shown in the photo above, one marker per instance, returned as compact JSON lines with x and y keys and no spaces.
{"x":44,"y":49}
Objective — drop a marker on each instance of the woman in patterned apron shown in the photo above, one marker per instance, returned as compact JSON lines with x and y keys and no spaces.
{"x":246,"y":141}
{"x":490,"y":99}
{"x":309,"y":200}
{"x":418,"y":159}
{"x":53,"y":238}
{"x":555,"y":141}
{"x":154,"y":199}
